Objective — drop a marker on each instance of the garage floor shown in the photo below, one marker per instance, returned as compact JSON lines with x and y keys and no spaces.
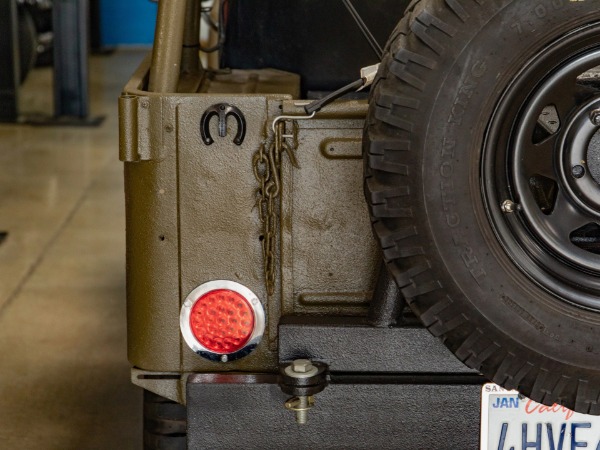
{"x":64,"y":375}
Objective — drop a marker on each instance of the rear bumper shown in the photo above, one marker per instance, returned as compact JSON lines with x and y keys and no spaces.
{"x":365,"y":411}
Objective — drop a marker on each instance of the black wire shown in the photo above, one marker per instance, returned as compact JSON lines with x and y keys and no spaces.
{"x":221,"y":29}
{"x":318,"y":104}
{"x":211,"y":23}
{"x":365,"y":30}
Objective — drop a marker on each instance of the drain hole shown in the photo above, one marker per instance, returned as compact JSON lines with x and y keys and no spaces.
{"x":544,"y":192}
{"x":548,"y":123}
{"x":587,"y":238}
{"x":3,"y":236}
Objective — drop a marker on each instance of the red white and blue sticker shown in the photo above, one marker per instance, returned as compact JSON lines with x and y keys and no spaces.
{"x":510,"y":421}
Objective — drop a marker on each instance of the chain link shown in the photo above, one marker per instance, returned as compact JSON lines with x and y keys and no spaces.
{"x":266,"y":164}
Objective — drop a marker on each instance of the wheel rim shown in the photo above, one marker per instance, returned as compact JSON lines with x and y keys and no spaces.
{"x":541,"y":169}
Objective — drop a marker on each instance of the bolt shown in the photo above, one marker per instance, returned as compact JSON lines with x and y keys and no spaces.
{"x":508,"y":206}
{"x":578,"y":171}
{"x":224,"y":358}
{"x":302,"y":413}
{"x":595,"y":117}
{"x":302,"y":366}
{"x":300,"y":405}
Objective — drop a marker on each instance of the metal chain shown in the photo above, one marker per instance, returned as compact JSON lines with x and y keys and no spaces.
{"x":266,"y":164}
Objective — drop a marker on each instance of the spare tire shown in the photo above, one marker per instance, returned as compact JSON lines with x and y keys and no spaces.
{"x":482,"y":172}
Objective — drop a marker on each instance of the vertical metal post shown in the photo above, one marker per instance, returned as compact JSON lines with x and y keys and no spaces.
{"x":168,"y":42}
{"x":190,"y":58}
{"x":9,"y":61}
{"x":71,"y":96}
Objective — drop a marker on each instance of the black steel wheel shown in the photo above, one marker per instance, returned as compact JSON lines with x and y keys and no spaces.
{"x":482,"y":172}
{"x":541,"y":167}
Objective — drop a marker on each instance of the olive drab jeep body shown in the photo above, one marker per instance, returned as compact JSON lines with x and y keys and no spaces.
{"x":268,"y":302}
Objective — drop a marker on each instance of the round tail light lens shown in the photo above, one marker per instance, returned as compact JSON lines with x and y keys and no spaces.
{"x":222,"y":320}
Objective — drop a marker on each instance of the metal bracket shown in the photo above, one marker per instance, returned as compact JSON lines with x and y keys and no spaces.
{"x":223,"y":111}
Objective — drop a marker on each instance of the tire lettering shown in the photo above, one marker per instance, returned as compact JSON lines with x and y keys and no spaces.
{"x":471,"y":262}
{"x":447,"y":169}
{"x":540,"y":11}
{"x":468,"y":256}
{"x":453,"y":220}
{"x":464,"y":95}
{"x":448,"y":202}
{"x":478,"y":69}
{"x":448,"y":147}
{"x":529,"y":318}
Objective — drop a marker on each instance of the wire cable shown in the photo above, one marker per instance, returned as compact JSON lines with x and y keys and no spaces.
{"x":220,"y":29}
{"x":365,"y":30}
{"x":318,"y":104}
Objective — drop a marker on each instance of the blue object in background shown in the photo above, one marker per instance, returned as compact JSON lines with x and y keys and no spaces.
{"x":127,"y":22}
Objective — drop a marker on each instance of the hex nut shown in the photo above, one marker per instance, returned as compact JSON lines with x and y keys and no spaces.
{"x":508,"y":207}
{"x":301,"y":368}
{"x":302,"y":365}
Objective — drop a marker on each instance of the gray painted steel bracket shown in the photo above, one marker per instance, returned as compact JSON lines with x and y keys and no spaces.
{"x":350,"y":345}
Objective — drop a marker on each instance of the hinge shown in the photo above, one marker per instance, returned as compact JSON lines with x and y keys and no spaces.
{"x":140,"y":128}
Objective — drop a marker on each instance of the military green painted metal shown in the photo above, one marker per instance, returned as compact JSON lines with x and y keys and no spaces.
{"x":168,"y":42}
{"x":192,"y":216}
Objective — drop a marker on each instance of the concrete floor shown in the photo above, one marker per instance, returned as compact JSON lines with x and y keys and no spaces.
{"x":64,"y":375}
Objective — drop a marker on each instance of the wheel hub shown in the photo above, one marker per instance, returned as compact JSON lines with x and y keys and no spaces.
{"x":593,"y":157}
{"x":579,"y":159}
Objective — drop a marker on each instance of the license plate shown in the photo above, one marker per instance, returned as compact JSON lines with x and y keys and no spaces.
{"x":510,"y":421}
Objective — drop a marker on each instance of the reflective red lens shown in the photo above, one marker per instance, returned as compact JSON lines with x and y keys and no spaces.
{"x":222,"y":321}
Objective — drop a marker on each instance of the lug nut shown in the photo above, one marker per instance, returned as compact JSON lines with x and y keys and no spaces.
{"x":578,"y":171}
{"x":595,"y":117}
{"x":508,"y":206}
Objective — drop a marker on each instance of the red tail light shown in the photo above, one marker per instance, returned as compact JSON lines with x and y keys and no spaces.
{"x":222,"y":320}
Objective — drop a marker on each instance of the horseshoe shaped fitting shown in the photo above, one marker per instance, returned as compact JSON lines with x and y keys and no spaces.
{"x":223,"y":111}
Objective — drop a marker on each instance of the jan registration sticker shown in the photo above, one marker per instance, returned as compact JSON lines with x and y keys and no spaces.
{"x":510,"y":421}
